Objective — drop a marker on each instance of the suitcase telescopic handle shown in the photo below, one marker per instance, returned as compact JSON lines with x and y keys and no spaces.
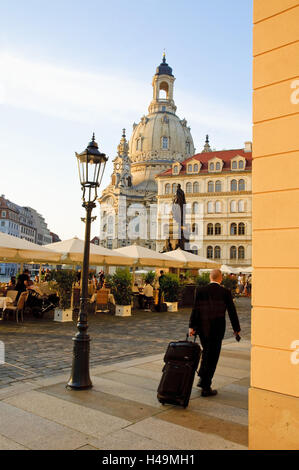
{"x":187,"y":336}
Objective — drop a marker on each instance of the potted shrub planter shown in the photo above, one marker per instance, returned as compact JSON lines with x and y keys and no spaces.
{"x":170,"y":286}
{"x":64,"y":280}
{"x":121,"y":283}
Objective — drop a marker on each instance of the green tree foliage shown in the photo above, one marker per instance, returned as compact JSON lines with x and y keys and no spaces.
{"x":120,"y":283}
{"x":64,"y":279}
{"x":170,"y":286}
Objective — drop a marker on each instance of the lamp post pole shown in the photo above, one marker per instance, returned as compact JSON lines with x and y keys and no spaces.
{"x":89,"y":178}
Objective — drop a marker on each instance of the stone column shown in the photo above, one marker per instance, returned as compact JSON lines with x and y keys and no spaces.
{"x":274,"y":392}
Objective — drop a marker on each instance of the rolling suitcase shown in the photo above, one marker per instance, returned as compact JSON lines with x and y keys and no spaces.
{"x":181,"y":361}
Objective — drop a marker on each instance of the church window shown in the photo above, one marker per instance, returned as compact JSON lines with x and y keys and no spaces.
{"x":210,"y":252}
{"x":217,"y":229}
{"x":241,"y":228}
{"x":233,"y":185}
{"x":217,"y":252}
{"x":188,"y":147}
{"x":241,"y":185}
{"x":210,"y":229}
{"x":241,"y":252}
{"x":210,"y":187}
{"x":218,"y":207}
{"x":218,"y":186}
{"x":165,"y":142}
{"x":189,"y":188}
{"x":196,"y":187}
{"x":233,"y":252}
{"x":167,"y":188}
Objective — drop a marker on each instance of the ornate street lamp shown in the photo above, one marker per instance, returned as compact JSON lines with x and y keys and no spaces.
{"x":91,"y":165}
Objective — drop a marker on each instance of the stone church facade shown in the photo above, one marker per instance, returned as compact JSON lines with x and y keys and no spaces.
{"x":129,"y":203}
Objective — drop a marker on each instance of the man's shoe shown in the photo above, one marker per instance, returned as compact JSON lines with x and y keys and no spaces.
{"x":208,"y":393}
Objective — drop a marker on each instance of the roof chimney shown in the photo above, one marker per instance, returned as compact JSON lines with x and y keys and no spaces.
{"x":248,"y":146}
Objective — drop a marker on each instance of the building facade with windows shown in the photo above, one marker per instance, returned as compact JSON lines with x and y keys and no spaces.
{"x":217,"y":186}
{"x":22,"y":222}
{"x":128,"y":204}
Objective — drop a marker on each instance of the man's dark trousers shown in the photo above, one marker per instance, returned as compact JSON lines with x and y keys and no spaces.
{"x":211,"y":347}
{"x":208,"y":320}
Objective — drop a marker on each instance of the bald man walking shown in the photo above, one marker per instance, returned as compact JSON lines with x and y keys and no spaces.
{"x":208,"y":321}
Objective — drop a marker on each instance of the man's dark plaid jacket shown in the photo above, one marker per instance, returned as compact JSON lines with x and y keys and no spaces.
{"x":208,"y":313}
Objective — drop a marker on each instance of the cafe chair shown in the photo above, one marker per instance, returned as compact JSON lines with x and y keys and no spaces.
{"x":19,"y":308}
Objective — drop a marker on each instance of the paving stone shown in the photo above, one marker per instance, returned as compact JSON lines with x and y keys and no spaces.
{"x":95,"y":399}
{"x":127,"y":440}
{"x":37,"y":433}
{"x":174,"y":435}
{"x":74,"y":416}
{"x":9,"y":444}
{"x":129,"y":392}
{"x":219,"y":410}
{"x":43,"y":348}
{"x":198,"y":421}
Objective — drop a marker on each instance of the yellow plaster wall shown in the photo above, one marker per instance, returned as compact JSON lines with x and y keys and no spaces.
{"x":274,"y":402}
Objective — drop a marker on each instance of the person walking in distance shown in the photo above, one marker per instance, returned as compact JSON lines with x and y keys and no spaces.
{"x":208,"y":321}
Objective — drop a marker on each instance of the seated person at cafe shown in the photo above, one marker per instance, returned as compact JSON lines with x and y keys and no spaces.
{"x":12,"y":283}
{"x":148,"y":294}
{"x":22,"y":283}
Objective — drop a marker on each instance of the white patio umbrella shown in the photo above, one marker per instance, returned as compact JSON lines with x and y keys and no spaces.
{"x":189,"y":260}
{"x":72,"y":250}
{"x":245,"y":269}
{"x":229,"y":269}
{"x":18,"y":250}
{"x":146,"y":257}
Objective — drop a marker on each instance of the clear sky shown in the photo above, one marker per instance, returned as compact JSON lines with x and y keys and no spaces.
{"x":69,"y":68}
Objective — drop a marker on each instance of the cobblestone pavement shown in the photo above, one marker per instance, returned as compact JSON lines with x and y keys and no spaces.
{"x":39,"y":348}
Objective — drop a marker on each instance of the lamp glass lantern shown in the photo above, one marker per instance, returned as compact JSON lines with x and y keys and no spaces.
{"x":91,"y":166}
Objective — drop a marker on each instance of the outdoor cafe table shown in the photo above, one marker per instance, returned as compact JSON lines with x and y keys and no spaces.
{"x":4,"y":302}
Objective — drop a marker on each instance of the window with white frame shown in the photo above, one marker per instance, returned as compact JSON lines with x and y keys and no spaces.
{"x":210,"y":207}
{"x":189,"y":188}
{"x":241,"y":206}
{"x":233,"y":206}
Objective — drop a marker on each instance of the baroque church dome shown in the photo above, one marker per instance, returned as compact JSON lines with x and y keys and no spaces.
{"x":161,"y":137}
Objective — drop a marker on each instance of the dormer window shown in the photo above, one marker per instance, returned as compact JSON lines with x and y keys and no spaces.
{"x":189,"y":169}
{"x":218,"y":167}
{"x":195,"y":168}
{"x":212,"y":166}
{"x":176,"y":169}
{"x":238,"y":163}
